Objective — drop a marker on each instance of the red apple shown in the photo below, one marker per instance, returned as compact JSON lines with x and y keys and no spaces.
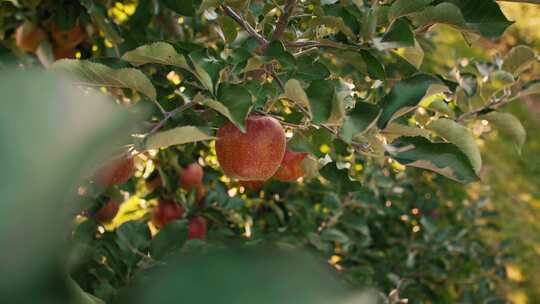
{"x":68,"y":39}
{"x":61,"y":53}
{"x":115,"y":172}
{"x":255,"y":154}
{"x":191,"y":177}
{"x":107,"y":212}
{"x":165,"y":212}
{"x":28,"y":36}
{"x":291,"y":166}
{"x":197,"y":228}
{"x":153,"y":182}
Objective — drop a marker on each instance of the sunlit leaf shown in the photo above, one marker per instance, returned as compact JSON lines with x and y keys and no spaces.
{"x":360,"y":119}
{"x":235,"y":102}
{"x":460,"y":136}
{"x":98,"y":75}
{"x":158,"y":53}
{"x":175,"y":136}
{"x":404,"y":95}
{"x":443,"y":158}
{"x":519,"y":58}
{"x":508,"y":125}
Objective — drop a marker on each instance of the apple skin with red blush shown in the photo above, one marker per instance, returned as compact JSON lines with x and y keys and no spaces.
{"x":255,"y":154}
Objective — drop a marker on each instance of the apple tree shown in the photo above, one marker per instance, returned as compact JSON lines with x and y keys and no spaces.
{"x":325,"y":126}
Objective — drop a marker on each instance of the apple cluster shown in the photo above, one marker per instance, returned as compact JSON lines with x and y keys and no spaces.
{"x":251,"y":157}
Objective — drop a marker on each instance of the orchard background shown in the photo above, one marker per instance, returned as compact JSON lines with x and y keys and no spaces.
{"x":414,"y":122}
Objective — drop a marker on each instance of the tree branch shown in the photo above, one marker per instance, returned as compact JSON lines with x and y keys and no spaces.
{"x":170,"y":114}
{"x":283,"y":20}
{"x":490,"y":106}
{"x":229,"y":11}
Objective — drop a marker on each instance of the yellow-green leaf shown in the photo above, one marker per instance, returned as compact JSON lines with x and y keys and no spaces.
{"x":158,"y":53}
{"x":176,"y":136}
{"x":508,"y":125}
{"x":460,"y":136}
{"x":518,"y":59}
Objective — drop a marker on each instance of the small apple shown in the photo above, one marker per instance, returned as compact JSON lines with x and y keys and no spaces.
{"x":255,"y":154}
{"x":28,"y":36}
{"x":62,"y":53}
{"x":165,"y":212}
{"x":115,"y":172}
{"x":153,"y":182}
{"x":197,"y":228}
{"x":70,"y":38}
{"x":191,"y":176}
{"x":291,"y":167}
{"x":107,"y":212}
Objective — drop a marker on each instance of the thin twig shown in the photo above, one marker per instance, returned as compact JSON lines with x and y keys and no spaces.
{"x":169,"y":115}
{"x":283,"y":20}
{"x":272,"y":71}
{"x":229,"y":11}
{"x":161,"y":109}
{"x":493,"y":105}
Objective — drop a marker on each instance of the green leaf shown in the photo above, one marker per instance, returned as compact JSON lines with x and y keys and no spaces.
{"x":413,"y":55}
{"x":176,"y":136}
{"x":321,"y":96}
{"x":460,"y":136}
{"x":443,"y":158}
{"x":359,"y":120}
{"x":295,"y":92}
{"x":369,"y":25}
{"x":133,"y":235}
{"x":98,"y":75}
{"x":395,"y":130}
{"x":170,"y":238}
{"x":182,"y":7}
{"x":445,"y":12}
{"x":228,"y":28}
{"x":238,"y":102}
{"x":405,"y":94}
{"x":519,"y":59}
{"x":483,"y":16}
{"x":276,"y":51}
{"x":333,"y":22}
{"x":531,"y":87}
{"x":158,"y":53}
{"x":497,"y":81}
{"x":398,"y":35}
{"x":203,"y":76}
{"x":340,"y":179}
{"x":309,"y":70}
{"x":342,"y":99}
{"x":508,"y":125}
{"x":439,"y":106}
{"x":335,"y":235}
{"x":406,"y":7}
{"x":310,"y":141}
{"x":374,"y":68}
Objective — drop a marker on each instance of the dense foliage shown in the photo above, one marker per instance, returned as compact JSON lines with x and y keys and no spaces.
{"x":387,"y":128}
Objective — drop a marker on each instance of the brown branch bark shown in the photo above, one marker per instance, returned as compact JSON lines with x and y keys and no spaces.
{"x":490,"y":106}
{"x":229,"y":11}
{"x":283,"y":20}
